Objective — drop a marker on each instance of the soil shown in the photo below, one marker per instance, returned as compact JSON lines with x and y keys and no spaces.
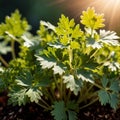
{"x":34,"y":112}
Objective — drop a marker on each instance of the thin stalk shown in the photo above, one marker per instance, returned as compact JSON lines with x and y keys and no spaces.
{"x":13,"y":49}
{"x":70,"y":56}
{"x":3,"y":61}
{"x":92,"y":35}
{"x":93,"y":95}
{"x":61,"y":88}
{"x":68,"y":96}
{"x":93,"y":53}
{"x":89,"y":103}
{"x":95,"y":84}
{"x":86,"y":93}
{"x":43,"y":106}
{"x":50,"y":94}
{"x":90,"y":88}
{"x":45,"y":103}
{"x":57,"y":86}
{"x":64,"y":92}
{"x":55,"y":81}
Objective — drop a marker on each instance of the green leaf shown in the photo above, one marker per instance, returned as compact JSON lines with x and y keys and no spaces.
{"x":103,"y":97}
{"x":18,"y":96}
{"x":30,"y":41}
{"x":25,"y":79}
{"x":46,"y":62}
{"x":72,"y":115}
{"x":34,"y":95}
{"x":50,"y":63}
{"x":115,"y":86}
{"x":72,"y":105}
{"x":66,"y":30}
{"x":58,"y":70}
{"x":92,"y":20}
{"x":109,"y":37}
{"x":85,"y":76}
{"x":75,"y":45}
{"x":77,"y":33}
{"x":48,"y":25}
{"x":71,"y":84}
{"x":91,"y":42}
{"x":104,"y":82}
{"x":57,"y":45}
{"x":14,"y":25}
{"x":4,"y":48}
{"x":58,"y":111}
{"x":21,"y":83}
{"x":113,"y":66}
{"x":114,"y":100}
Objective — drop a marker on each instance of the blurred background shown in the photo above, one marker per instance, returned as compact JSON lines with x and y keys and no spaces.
{"x":50,"y":10}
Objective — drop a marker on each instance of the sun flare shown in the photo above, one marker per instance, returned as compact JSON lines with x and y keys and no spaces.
{"x":110,"y":8}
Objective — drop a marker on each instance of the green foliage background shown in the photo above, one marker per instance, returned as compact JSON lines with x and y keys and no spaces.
{"x":33,"y":10}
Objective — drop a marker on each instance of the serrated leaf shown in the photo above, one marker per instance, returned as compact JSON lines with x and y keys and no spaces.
{"x":50,"y":63}
{"x":114,"y":100}
{"x":48,"y":25}
{"x":104,"y":82}
{"x":109,"y":37}
{"x":72,"y":115}
{"x":77,"y":32}
{"x":14,"y":25}
{"x":71,"y":84}
{"x":57,"y":45}
{"x":46,"y":62}
{"x":115,"y":86}
{"x":92,"y":20}
{"x":91,"y":42}
{"x":75,"y":45}
{"x":103,"y":97}
{"x":85,"y":76}
{"x":30,"y":41}
{"x":58,"y":111}
{"x":18,"y":97}
{"x":113,"y":66}
{"x":34,"y":95}
{"x":4,"y":49}
{"x":25,"y":79}
{"x":58,"y":70}
{"x":21,"y":83}
{"x":72,"y":105}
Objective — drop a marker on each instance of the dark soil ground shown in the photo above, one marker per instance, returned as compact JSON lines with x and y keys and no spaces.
{"x":35,"y":112}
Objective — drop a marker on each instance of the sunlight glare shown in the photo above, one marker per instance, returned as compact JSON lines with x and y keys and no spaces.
{"x":110,"y":8}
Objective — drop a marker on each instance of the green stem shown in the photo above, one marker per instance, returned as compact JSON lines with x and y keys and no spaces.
{"x":70,"y":56}
{"x":43,"y":106}
{"x":84,"y":93}
{"x":94,"y":54}
{"x":3,"y":61}
{"x":68,"y":96}
{"x":50,"y":94}
{"x":45,"y":103}
{"x":95,"y":100}
{"x":61,"y":89}
{"x":64,"y":93}
{"x":13,"y":49}
{"x":95,"y":84}
{"x":92,"y":35}
{"x":57,"y":87}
